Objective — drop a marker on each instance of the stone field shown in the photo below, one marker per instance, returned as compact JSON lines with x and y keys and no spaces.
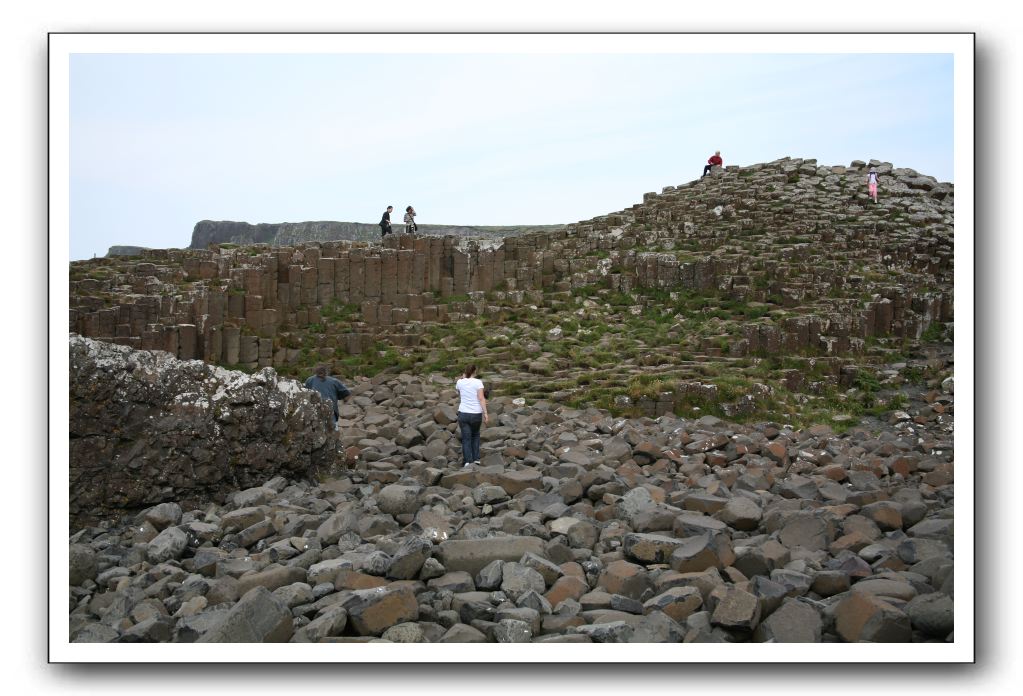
{"x":725,"y":414}
{"x":576,"y":527}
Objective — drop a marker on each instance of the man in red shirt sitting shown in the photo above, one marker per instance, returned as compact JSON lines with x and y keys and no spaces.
{"x":715,"y":160}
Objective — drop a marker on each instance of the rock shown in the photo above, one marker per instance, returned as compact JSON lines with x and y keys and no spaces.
{"x":626,"y":604}
{"x":704,"y":503}
{"x":795,"y":583}
{"x":209,"y":422}
{"x":95,"y":633}
{"x":616,"y":449}
{"x":398,"y":500}
{"x":612,"y":632}
{"x":657,"y":628}
{"x":346,"y":579}
{"x":829,"y":582}
{"x":624,"y":578}
{"x":517,"y":579}
{"x":242,"y":518}
{"x":471,"y":555}
{"x":793,"y":622}
{"x":634,"y":502}
{"x":222,"y":591}
{"x":806,"y":530}
{"x":691,"y":524}
{"x":514,"y":482}
{"x":884,"y":587}
{"x":326,"y":571}
{"x":676,"y":602}
{"x":295,"y":594}
{"x":168,"y":544}
{"x":374,"y":563}
{"x":695,"y":554}
{"x":650,"y":548}
{"x":409,"y":558}
{"x":444,"y":415}
{"x":865,"y":617}
{"x":566,"y":587}
{"x":82,"y":564}
{"x":887,"y":515}
{"x":483,"y":494}
{"x":163,"y":515}
{"x":330,"y":623}
{"x":582,"y":535}
{"x":258,"y":617}
{"x":408,"y":437}
{"x":344,"y":520}
{"x":736,"y":609}
{"x":512,"y":631}
{"x":405,"y":633}
{"x":932,"y":528}
{"x":798,"y":487}
{"x":371,"y":612}
{"x":490,"y":577}
{"x":461,"y":633}
{"x":251,"y":497}
{"x":547,"y":570}
{"x":188,"y":629}
{"x":740,"y":513}
{"x":456,"y":581}
{"x":932,"y":613}
{"x":271,"y":578}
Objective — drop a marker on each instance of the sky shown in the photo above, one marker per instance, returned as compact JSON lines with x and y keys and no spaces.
{"x":161,"y":141}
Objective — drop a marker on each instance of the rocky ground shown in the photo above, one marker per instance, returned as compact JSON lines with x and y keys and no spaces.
{"x":576,"y":527}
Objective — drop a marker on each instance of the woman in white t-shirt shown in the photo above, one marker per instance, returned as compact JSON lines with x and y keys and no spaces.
{"x":472,"y":412}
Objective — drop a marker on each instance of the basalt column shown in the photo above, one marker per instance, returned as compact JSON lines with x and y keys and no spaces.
{"x":389,"y":275}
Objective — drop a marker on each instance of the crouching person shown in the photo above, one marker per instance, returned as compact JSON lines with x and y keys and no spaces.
{"x":331,"y":389}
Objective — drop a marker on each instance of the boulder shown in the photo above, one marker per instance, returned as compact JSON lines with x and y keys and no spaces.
{"x":472,"y":555}
{"x":258,"y":617}
{"x":793,"y":622}
{"x":865,"y":617}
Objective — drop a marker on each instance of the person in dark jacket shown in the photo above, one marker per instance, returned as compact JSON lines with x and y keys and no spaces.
{"x":385,"y":222}
{"x":714,"y":161}
{"x":330,"y":389}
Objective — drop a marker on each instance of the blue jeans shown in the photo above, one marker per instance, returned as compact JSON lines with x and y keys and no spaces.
{"x":469,"y":424}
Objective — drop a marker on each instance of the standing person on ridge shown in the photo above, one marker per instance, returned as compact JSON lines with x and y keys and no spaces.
{"x":472,"y":412}
{"x":385,"y":222}
{"x":410,"y":220}
{"x":872,"y":183}
{"x":715,"y":160}
{"x":329,"y":388}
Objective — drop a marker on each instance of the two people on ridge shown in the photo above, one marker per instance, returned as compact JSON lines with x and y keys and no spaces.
{"x":410,"y":221}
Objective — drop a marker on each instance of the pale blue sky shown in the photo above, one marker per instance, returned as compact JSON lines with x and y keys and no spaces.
{"x":159,"y":142}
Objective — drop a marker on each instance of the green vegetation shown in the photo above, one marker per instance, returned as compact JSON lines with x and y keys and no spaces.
{"x":933,"y":333}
